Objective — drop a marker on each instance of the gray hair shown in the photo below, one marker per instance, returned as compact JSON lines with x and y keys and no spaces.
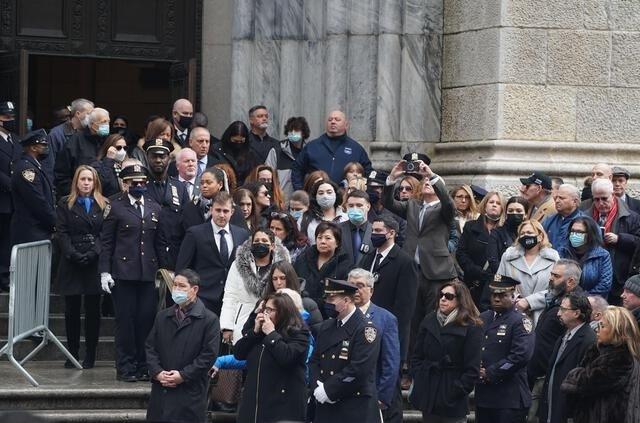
{"x":571,"y":269}
{"x":79,"y":104}
{"x":364,"y":274}
{"x":572,"y":189}
{"x":96,"y":113}
{"x":602,"y":185}
{"x":196,"y":130}
{"x":599,"y":304}
{"x":184,"y":151}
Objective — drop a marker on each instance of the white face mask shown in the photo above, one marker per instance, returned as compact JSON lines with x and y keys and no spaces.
{"x":120,"y":155}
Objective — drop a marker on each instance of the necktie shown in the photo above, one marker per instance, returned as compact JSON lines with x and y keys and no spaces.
{"x":224,"y":248}
{"x":183,"y":138}
{"x":602,"y":220}
{"x":200,"y":167}
{"x":139,"y":207}
{"x":376,"y":264}
{"x":189,"y":188}
{"x":563,"y":346}
{"x":339,"y":323}
{"x":423,"y":209}
{"x":357,"y":241}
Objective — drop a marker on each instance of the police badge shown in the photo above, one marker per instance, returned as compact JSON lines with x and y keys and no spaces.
{"x":370,"y":334}
{"x":528,"y":324}
{"x":29,"y":175}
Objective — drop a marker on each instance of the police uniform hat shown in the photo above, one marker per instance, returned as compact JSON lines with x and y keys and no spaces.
{"x":502,"y":284}
{"x":478,"y":192}
{"x":39,"y":136}
{"x":377,"y":178}
{"x":537,"y":178}
{"x":338,"y":287}
{"x":410,"y":157}
{"x":134,"y":173}
{"x":620,"y":171}
{"x":158,"y":146}
{"x":7,"y":108}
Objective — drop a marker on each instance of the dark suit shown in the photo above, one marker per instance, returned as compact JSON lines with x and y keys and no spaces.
{"x":199,"y":252}
{"x":348,"y":230}
{"x":9,"y":152}
{"x":571,"y":357}
{"x":395,"y":289}
{"x":34,"y":216}
{"x":632,"y":203}
{"x":344,"y":359}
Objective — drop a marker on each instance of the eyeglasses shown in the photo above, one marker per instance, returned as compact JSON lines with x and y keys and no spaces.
{"x":565,"y":309}
{"x":120,"y":147}
{"x":596,"y":199}
{"x":403,"y":188}
{"x":448,"y":296}
{"x":265,"y":193}
{"x":269,"y":310}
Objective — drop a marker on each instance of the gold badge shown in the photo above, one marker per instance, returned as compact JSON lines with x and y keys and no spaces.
{"x":159,"y":142}
{"x":137,"y":168}
{"x":370,"y":334}
{"x":29,"y":175}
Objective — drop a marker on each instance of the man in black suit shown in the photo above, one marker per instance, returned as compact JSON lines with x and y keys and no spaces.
{"x":396,"y":277}
{"x":356,"y":233}
{"x":574,"y":313}
{"x":181,"y":118}
{"x":620,"y":178}
{"x":209,"y":249}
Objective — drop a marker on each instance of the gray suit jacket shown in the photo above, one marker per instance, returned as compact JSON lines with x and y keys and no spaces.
{"x":431,"y":238}
{"x":347,"y":241}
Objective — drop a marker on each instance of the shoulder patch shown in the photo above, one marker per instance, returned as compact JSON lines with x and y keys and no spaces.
{"x":29,"y":175}
{"x":107,"y":209}
{"x":528,"y":324}
{"x":370,"y":334}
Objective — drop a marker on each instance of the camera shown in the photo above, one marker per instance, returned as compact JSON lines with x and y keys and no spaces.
{"x":412,"y":166}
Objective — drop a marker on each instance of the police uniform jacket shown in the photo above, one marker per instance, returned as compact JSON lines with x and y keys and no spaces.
{"x":78,"y":234}
{"x":506,"y":349}
{"x":34,"y":216}
{"x":9,"y":152}
{"x":172,"y":195}
{"x":128,"y":241}
{"x":344,"y":360}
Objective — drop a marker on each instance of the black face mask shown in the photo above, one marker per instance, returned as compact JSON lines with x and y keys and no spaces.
{"x":10,"y":125}
{"x":118,"y":130}
{"x":513,"y":221}
{"x":235,"y":147}
{"x":185,"y":121}
{"x":528,"y":241}
{"x":260,"y":250}
{"x":374,"y":197}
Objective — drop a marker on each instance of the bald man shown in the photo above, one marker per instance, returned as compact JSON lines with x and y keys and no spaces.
{"x":598,"y":171}
{"x":330,"y":152}
{"x":182,"y":116}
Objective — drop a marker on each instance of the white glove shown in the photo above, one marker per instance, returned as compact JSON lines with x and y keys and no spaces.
{"x":107,"y":282}
{"x":321,"y":395}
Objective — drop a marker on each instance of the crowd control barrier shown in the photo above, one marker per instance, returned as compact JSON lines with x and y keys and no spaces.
{"x":29,"y":303}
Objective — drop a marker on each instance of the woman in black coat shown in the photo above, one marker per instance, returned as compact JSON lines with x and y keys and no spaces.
{"x":79,"y":222}
{"x":275,"y":345}
{"x":503,"y":237}
{"x":445,"y":364}
{"x":109,"y":163}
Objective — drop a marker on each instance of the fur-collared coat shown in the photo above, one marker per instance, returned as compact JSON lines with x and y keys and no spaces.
{"x":244,"y":287}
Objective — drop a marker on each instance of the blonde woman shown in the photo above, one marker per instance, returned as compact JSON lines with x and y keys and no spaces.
{"x":466,"y":207}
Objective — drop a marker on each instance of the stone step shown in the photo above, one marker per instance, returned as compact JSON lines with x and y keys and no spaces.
{"x":56,"y":303}
{"x":56,"y":325}
{"x":129,"y":396}
{"x":106,"y":350}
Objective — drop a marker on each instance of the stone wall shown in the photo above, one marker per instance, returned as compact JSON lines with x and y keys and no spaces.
{"x":546,"y":85}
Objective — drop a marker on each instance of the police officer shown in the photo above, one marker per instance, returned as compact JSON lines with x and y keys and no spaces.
{"x":502,"y":394}
{"x":34,"y":216}
{"x":127,"y":266}
{"x":343,"y":365}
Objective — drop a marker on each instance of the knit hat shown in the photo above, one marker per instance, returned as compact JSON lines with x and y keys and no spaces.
{"x":633,"y":284}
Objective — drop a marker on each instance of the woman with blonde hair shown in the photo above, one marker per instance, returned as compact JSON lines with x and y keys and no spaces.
{"x":606,"y":385}
{"x":79,"y":222}
{"x":466,"y":207}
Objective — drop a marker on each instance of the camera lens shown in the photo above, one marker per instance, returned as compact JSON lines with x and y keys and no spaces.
{"x":410,"y":167}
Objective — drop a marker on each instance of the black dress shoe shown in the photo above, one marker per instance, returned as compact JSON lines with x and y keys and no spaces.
{"x":126,"y":377}
{"x":88,"y":363}
{"x":69,"y":365}
{"x":143,"y":376}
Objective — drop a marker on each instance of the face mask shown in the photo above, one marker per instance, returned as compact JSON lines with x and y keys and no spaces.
{"x":9,"y":125}
{"x":377,"y":240}
{"x":118,"y":130}
{"x":492,"y":217}
{"x":103,"y":130}
{"x":179,"y":297}
{"x":374,"y":197}
{"x":137,"y":191}
{"x":356,"y":215}
{"x":577,"y":239}
{"x":326,"y":201}
{"x":120,"y":155}
{"x":294,"y":137}
{"x":514,"y":220}
{"x":85,"y":121}
{"x":29,"y":124}
{"x":528,"y":241}
{"x":296,"y":214}
{"x":236,"y":147}
{"x":330,"y":310}
{"x":185,"y":121}
{"x":260,"y":250}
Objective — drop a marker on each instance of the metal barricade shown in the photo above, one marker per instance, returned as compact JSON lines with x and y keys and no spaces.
{"x":29,"y":302}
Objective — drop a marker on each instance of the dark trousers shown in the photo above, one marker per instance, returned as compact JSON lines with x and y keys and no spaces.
{"x":72,"y":306}
{"x":135,"y":309}
{"x":501,"y":415}
{"x":5,"y":247}
{"x":393,"y":413}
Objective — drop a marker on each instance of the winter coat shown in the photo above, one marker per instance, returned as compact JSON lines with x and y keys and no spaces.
{"x":189,"y":347}
{"x":306,"y":267}
{"x":275,"y":387}
{"x":445,"y":366}
{"x":78,"y":237}
{"x":599,"y":388}
{"x":472,"y":257}
{"x":499,"y":241}
{"x":244,"y":287}
{"x":597,"y":271}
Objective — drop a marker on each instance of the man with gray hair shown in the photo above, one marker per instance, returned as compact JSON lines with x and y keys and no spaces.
{"x":82,"y":149}
{"x":186,"y":165}
{"x":567,"y":200}
{"x":388,"y":386}
{"x":620,"y":228}
{"x":598,"y":306}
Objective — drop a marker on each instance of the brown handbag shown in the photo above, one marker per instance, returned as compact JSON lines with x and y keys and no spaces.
{"x":226,"y":387}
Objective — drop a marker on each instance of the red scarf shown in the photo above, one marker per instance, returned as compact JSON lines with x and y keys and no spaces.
{"x":610,"y":216}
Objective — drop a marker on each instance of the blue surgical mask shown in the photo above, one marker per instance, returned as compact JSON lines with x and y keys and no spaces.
{"x":179,"y":297}
{"x":103,"y":130}
{"x":296,"y":214}
{"x":294,"y":137}
{"x":356,"y":215}
{"x":326,"y":201}
{"x":577,"y":239}
{"x":29,"y":124}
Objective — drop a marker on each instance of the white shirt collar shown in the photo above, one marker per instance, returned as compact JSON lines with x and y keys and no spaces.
{"x":133,"y":200}
{"x":348,"y":316}
{"x":217,"y":228}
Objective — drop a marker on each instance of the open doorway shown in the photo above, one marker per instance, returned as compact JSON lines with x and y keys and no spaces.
{"x":135,"y":89}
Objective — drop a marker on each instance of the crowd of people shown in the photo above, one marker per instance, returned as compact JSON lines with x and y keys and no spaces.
{"x":333,"y":284}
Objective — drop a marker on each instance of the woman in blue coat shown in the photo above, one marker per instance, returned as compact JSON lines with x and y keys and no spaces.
{"x":585,"y":247}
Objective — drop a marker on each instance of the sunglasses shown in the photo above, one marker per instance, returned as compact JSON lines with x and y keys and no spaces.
{"x":120,"y":147}
{"x":448,"y":296}
{"x":408,"y":189}
{"x":279,"y":215}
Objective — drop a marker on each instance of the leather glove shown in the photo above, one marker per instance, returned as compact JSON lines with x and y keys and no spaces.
{"x":107,"y":282}
{"x":320,"y":395}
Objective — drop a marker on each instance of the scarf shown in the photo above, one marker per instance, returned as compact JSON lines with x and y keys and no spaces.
{"x":86,"y":201}
{"x":444,"y":319}
{"x":610,"y":216}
